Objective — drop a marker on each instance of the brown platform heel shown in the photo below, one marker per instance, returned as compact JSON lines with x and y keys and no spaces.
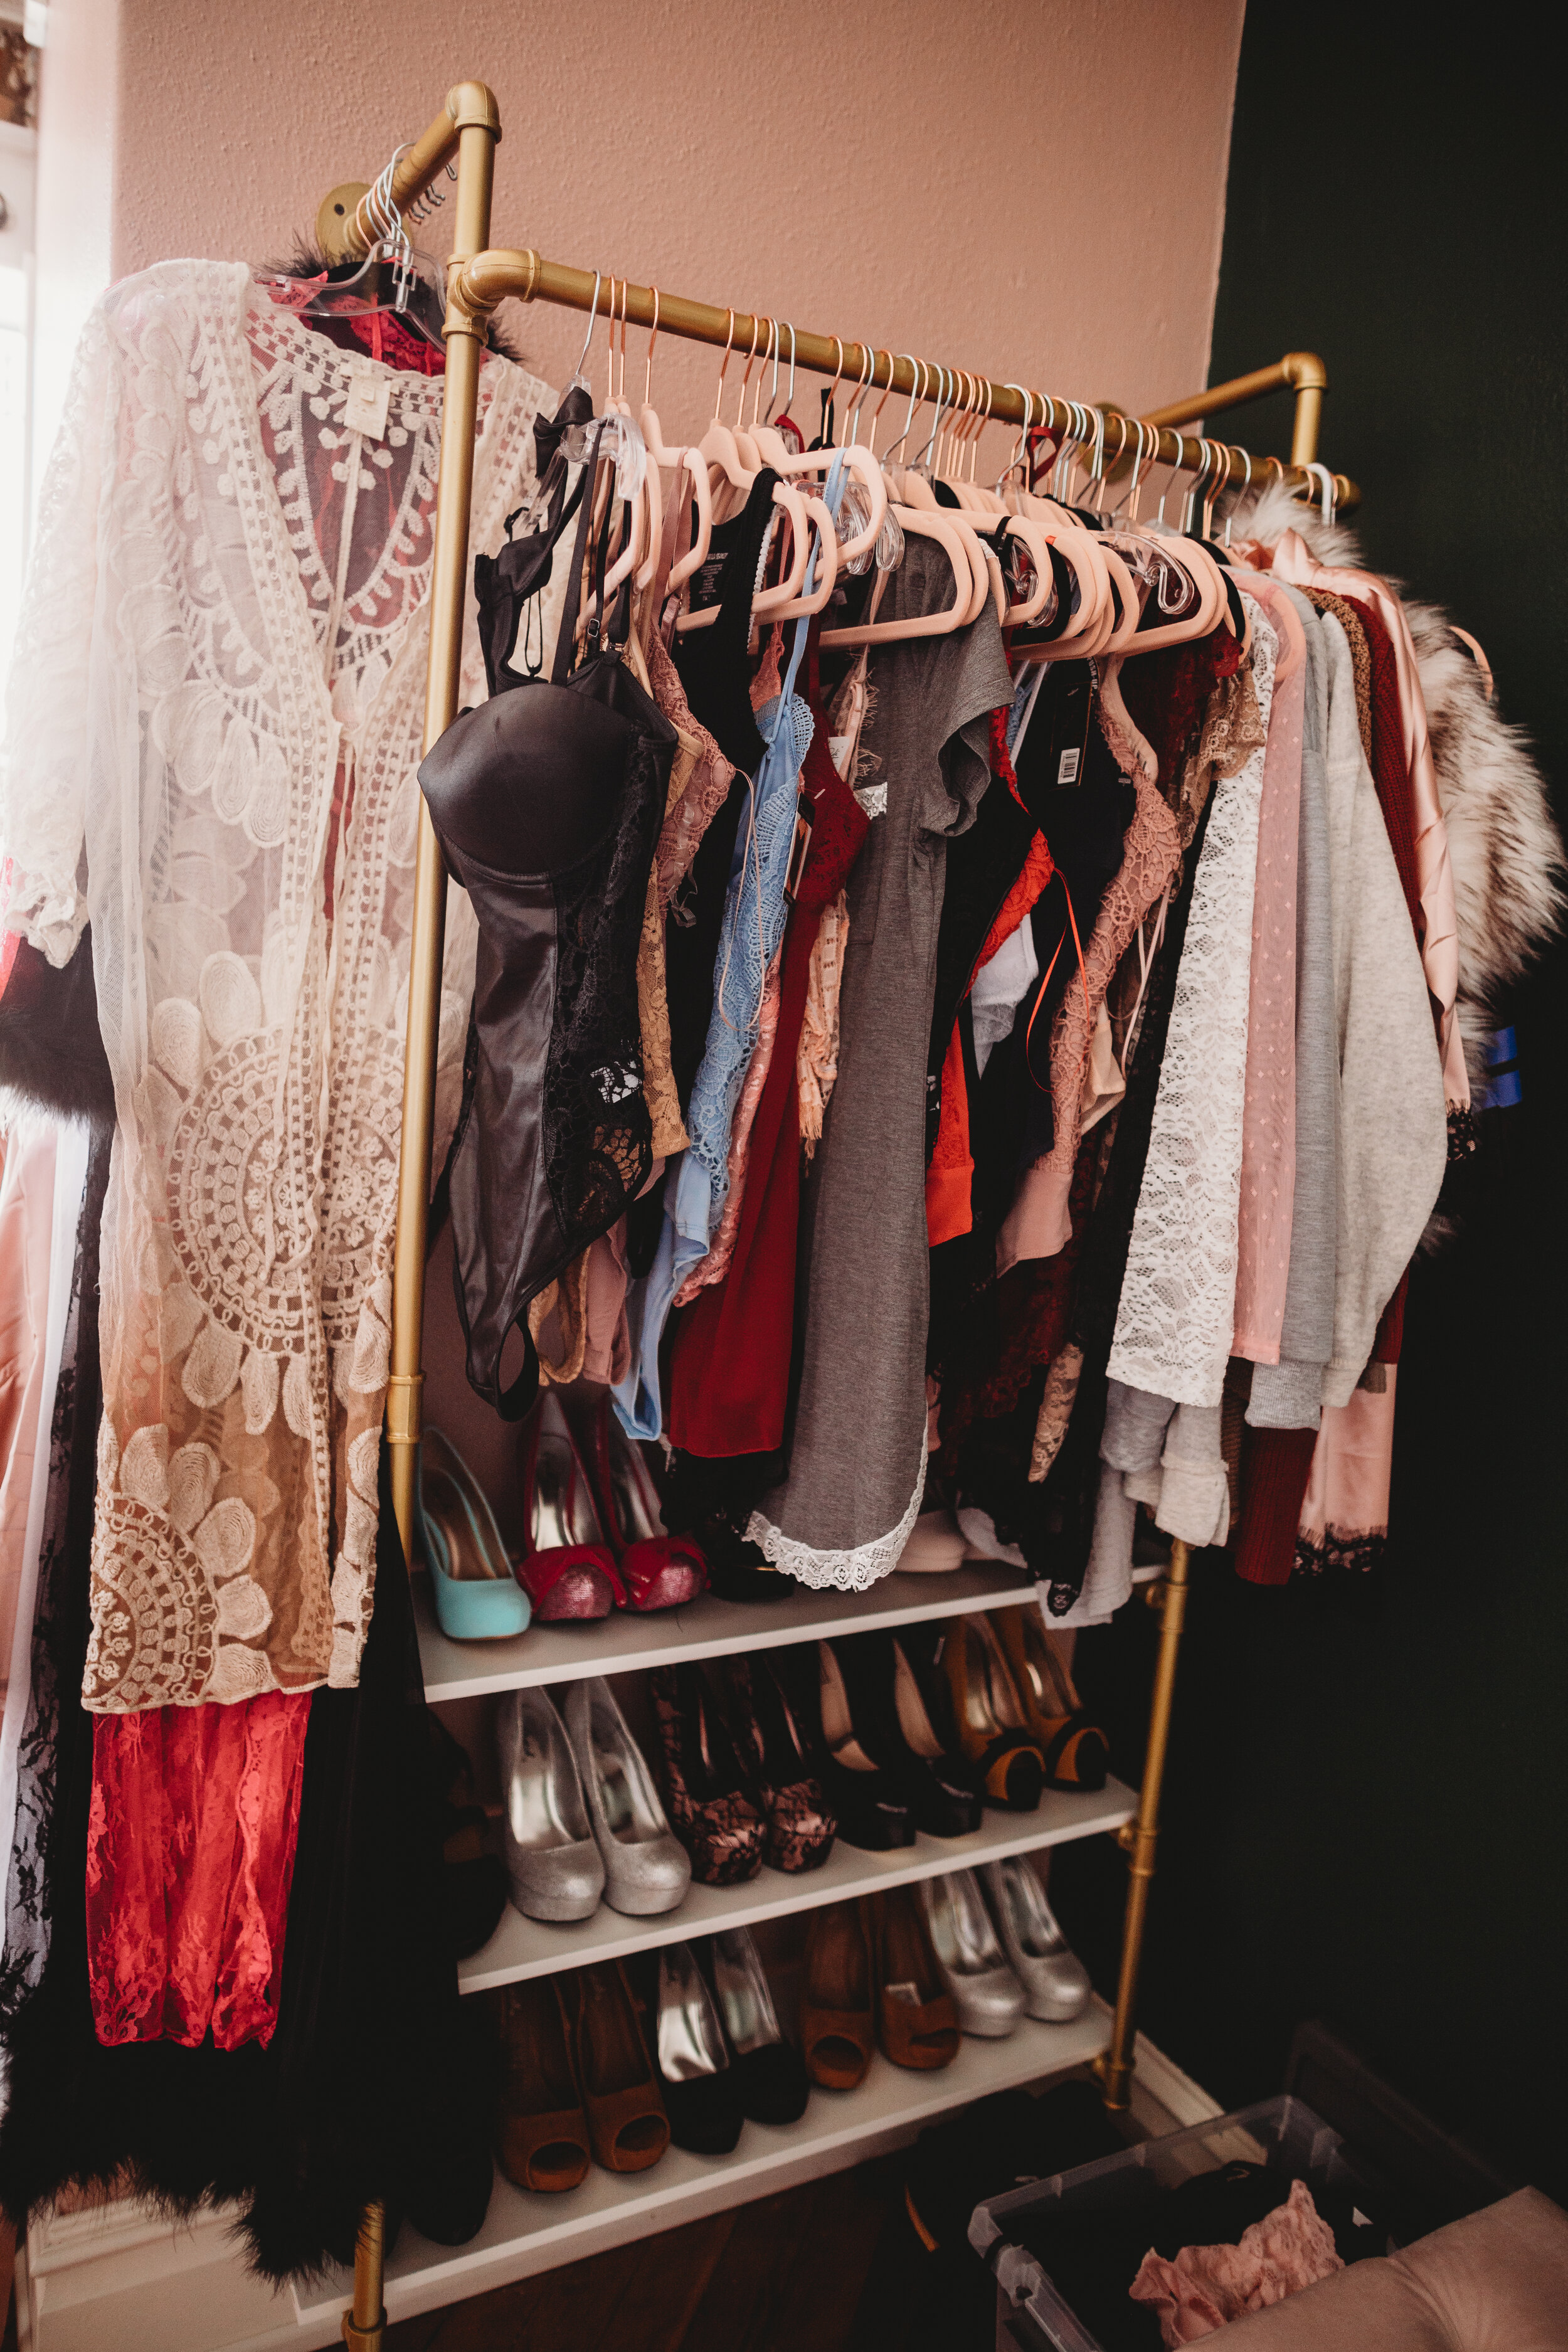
{"x":542,"y":2138}
{"x":1075,"y":1749}
{"x":627,"y":2126}
{"x":992,"y":1728}
{"x":838,"y":2019}
{"x":917,"y":2019}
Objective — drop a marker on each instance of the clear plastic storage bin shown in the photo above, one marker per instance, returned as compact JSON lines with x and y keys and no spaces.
{"x":1280,"y":2134}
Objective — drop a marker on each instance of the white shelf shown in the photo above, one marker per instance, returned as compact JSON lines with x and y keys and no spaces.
{"x":524,"y":2233}
{"x":626,"y":1642}
{"x":533,"y":1947}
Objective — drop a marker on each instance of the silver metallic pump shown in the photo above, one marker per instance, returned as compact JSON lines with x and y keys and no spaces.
{"x":647,"y":1870}
{"x":552,"y":1858}
{"x":989,"y":1997}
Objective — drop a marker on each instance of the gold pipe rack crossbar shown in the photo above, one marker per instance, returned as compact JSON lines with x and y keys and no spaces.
{"x":477,"y":282}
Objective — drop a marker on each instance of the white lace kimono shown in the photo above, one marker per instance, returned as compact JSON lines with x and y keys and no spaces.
{"x":214,"y":726}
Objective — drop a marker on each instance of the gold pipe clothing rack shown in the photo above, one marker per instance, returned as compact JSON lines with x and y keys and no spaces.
{"x":477,"y":278}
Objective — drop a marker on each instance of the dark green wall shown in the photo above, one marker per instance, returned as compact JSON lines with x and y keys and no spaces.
{"x":1368,"y":1802}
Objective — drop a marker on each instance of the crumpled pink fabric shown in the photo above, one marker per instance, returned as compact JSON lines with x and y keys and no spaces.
{"x":1208,"y":2286}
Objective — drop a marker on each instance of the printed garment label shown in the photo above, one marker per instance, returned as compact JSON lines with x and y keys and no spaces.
{"x":365,"y":410}
{"x":1067,"y":770}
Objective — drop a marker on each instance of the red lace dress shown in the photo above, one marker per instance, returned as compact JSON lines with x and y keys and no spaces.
{"x":729,"y":1382}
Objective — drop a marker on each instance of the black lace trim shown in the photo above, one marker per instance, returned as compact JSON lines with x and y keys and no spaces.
{"x":598,"y":1140}
{"x":1464,"y":1135}
{"x":1339,"y":1552}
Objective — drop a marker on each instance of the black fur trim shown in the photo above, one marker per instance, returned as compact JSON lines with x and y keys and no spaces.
{"x":51,"y":1052}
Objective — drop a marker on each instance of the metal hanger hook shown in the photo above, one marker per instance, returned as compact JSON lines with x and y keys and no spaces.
{"x":593,"y":315}
{"x":1247,"y":484}
{"x":652,"y":338}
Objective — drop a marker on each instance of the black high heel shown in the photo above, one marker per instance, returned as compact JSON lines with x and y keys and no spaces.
{"x":873,"y":1811}
{"x":769,"y":2072}
{"x":906,"y":1712}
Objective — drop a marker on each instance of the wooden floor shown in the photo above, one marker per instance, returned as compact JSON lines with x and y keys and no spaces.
{"x":834,"y":2266}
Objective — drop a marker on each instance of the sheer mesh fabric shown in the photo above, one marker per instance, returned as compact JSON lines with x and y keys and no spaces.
{"x":597,"y":1134}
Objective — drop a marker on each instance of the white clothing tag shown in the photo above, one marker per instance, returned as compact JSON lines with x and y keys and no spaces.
{"x":1066,"y":771}
{"x":838,"y":750}
{"x":1358,"y":2218}
{"x":910,"y":1992}
{"x":365,"y":408}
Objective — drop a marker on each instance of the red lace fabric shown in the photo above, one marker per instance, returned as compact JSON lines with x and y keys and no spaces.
{"x":949,"y":1176}
{"x":190,"y":1853}
{"x":386,"y":339}
{"x":729,"y":1380}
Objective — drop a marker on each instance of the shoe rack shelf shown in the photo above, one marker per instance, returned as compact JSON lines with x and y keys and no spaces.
{"x":624,"y":1643}
{"x":524,"y":2233}
{"x":532,"y":1948}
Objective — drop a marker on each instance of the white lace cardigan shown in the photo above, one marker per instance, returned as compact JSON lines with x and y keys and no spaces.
{"x":214,"y":726}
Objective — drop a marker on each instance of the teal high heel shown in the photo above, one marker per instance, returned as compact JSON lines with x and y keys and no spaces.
{"x":477,"y":1598}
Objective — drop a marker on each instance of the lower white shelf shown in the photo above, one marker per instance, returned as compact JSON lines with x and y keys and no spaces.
{"x":524,"y":2233}
{"x":533,"y":1947}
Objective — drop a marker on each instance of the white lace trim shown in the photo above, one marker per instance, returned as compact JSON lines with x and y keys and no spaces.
{"x":1177,"y":1309}
{"x":856,"y":1571}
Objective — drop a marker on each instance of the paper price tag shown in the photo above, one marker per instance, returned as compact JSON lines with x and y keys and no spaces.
{"x":365,"y":410}
{"x":1066,"y":773}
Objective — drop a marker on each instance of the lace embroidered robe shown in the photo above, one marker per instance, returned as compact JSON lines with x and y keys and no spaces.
{"x":215,"y":721}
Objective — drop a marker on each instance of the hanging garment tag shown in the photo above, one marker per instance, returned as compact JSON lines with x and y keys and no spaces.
{"x":801,"y":845}
{"x":1066,"y":767}
{"x":365,"y":409}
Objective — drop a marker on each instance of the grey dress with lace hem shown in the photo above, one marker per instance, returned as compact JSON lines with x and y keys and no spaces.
{"x":843,"y":1513}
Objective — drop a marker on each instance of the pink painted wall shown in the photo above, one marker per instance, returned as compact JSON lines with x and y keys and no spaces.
{"x":1035,"y":191}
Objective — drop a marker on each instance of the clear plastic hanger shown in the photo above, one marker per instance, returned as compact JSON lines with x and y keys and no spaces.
{"x":391,"y":278}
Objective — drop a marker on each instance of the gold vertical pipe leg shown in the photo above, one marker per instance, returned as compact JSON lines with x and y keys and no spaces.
{"x":1308,"y":420}
{"x":1115,"y":2068}
{"x":474,"y":112}
{"x":364,"y":2324}
{"x":477,"y":136}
